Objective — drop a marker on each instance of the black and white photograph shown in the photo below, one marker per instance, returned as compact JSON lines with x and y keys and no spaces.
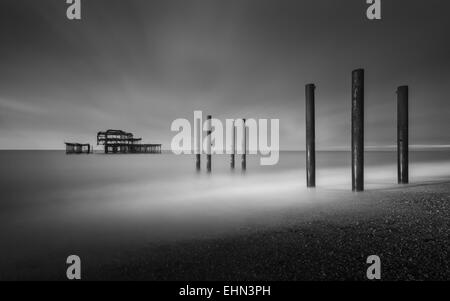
{"x":238,"y":142}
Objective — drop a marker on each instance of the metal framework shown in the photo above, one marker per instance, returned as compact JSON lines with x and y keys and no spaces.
{"x":121,"y":142}
{"x":77,"y":148}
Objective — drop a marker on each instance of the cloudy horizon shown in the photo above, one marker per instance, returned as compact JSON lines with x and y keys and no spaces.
{"x":139,"y":65}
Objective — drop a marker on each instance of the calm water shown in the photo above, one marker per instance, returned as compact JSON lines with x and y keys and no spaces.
{"x":54,"y":204}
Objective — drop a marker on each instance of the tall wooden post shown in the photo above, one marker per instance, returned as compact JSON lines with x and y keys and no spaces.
{"x":358,"y":130}
{"x":198,"y":148}
{"x":244,"y":146}
{"x":208,"y":145}
{"x":310,"y":137}
{"x":402,"y":135}
{"x":233,"y":147}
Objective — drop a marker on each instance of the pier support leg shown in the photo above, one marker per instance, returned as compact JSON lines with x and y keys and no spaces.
{"x":310,"y":137}
{"x":402,"y":135}
{"x":198,"y":147}
{"x":358,"y":130}
{"x":233,"y":147}
{"x":244,"y":146}
{"x":208,"y":145}
{"x":198,"y":161}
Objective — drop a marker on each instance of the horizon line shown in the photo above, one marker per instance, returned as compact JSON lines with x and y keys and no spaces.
{"x":417,"y":147}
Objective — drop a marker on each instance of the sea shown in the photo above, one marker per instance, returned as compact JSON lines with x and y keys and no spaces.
{"x":53,"y":205}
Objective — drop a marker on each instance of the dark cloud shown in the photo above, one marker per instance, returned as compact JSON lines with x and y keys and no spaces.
{"x":138,"y":65}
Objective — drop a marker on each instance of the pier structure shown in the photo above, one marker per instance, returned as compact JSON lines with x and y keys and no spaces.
{"x":198,"y":143}
{"x":358,"y":130}
{"x":310,"y":136}
{"x":78,"y":148}
{"x":121,"y":142}
{"x":402,"y":135}
{"x":244,"y":145}
{"x":208,"y":143}
{"x":233,"y":147}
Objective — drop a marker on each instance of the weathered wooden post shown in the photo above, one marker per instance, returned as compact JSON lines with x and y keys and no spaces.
{"x":233,"y":146}
{"x":198,"y":148}
{"x":208,"y":143}
{"x":310,"y":137}
{"x":358,"y":130}
{"x":402,"y":134}
{"x":244,"y":146}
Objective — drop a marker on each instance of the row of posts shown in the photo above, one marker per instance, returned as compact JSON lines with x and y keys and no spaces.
{"x":357,"y":143}
{"x":198,"y":130}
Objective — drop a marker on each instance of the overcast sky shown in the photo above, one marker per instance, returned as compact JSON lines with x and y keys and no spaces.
{"x":138,"y":65}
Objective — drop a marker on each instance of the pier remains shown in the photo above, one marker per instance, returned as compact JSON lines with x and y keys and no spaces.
{"x":78,"y":148}
{"x":121,"y":142}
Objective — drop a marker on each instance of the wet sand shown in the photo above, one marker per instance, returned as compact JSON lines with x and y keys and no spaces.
{"x":408,"y":227}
